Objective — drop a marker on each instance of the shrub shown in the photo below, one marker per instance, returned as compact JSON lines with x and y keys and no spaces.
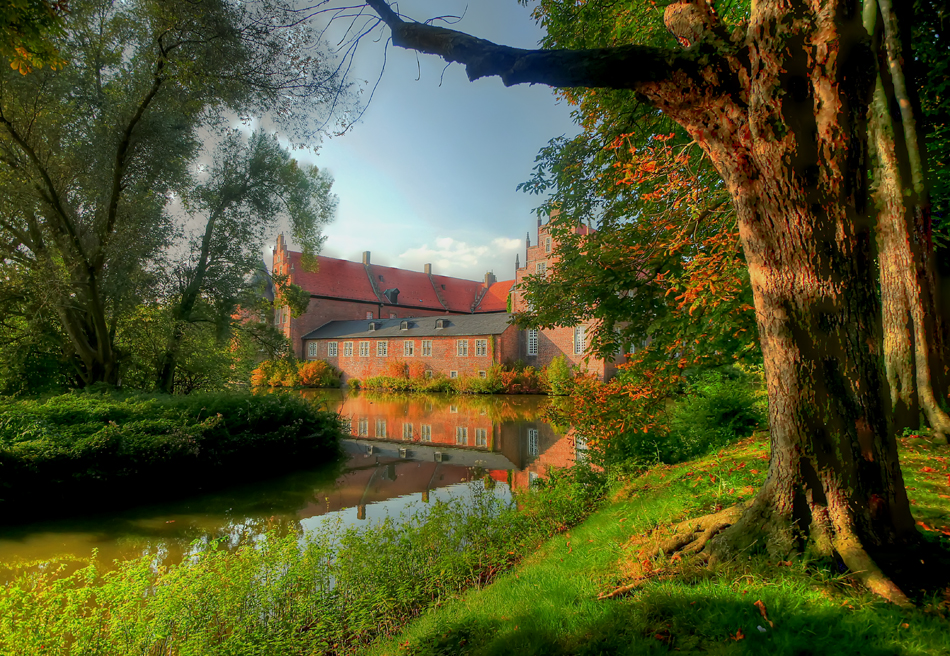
{"x":417,"y":370}
{"x":79,"y":450}
{"x":318,"y":373}
{"x":559,"y":377}
{"x":396,"y":369}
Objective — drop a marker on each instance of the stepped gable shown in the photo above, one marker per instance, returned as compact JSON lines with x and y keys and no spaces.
{"x":414,"y":287}
{"x":496,"y":297}
{"x":459,"y":295}
{"x":334,"y":278}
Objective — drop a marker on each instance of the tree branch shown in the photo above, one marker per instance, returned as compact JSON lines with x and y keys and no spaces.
{"x":625,"y":67}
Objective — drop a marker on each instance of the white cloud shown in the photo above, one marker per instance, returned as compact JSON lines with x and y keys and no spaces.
{"x":453,"y":257}
{"x":507,"y":244}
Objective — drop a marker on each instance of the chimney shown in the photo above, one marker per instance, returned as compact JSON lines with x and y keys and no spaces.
{"x":428,"y":269}
{"x":365,"y":257}
{"x":490,"y":279}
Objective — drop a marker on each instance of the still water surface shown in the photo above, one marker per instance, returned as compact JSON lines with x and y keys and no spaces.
{"x":404,"y":451}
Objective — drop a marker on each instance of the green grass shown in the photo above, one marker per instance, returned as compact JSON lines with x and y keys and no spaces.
{"x":548,"y":605}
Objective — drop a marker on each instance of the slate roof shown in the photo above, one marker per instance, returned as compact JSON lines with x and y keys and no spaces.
{"x":455,"y":325}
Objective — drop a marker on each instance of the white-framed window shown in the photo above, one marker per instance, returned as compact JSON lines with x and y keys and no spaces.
{"x":363,"y":427}
{"x":483,"y":374}
{"x":532,"y":442}
{"x":382,"y":349}
{"x":347,"y":424}
{"x":461,"y":348}
{"x":481,"y":347}
{"x":409,"y":348}
{"x":427,"y":347}
{"x":580,"y":339}
{"x":369,"y":315}
{"x":453,"y":374}
{"x":426,"y":431}
{"x":364,"y":349}
{"x":547,"y":245}
{"x":331,"y":349}
{"x":381,"y":428}
{"x":532,"y":341}
{"x":461,"y":435}
{"x":540,"y":268}
{"x":348,"y":349}
{"x":407,"y":431}
{"x":392,"y":315}
{"x":453,"y":409}
{"x":481,"y":437}
{"x":312,"y":349}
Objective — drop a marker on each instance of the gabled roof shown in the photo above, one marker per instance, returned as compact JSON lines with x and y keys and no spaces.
{"x":496,"y":297}
{"x":347,"y":280}
{"x":334,"y":278}
{"x":459,"y":295}
{"x":454,"y":325}
{"x":414,"y":287}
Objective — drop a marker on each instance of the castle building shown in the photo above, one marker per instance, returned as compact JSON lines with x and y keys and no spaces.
{"x":361,"y":316}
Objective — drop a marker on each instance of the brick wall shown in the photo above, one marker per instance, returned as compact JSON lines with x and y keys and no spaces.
{"x":444,"y":358}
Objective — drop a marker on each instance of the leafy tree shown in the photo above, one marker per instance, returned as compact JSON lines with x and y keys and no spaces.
{"x":90,"y":153}
{"x":780,"y":106}
{"x":250,"y":185}
{"x":26,"y":30}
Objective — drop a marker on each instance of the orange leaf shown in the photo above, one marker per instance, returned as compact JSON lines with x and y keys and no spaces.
{"x":738,"y":636}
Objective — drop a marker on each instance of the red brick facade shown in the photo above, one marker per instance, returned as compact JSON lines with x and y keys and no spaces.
{"x":556,"y":341}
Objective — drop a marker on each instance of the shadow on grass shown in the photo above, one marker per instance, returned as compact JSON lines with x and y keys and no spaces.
{"x":687,"y":620}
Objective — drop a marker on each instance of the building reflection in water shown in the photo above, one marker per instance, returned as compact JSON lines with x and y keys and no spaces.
{"x":402,"y":444}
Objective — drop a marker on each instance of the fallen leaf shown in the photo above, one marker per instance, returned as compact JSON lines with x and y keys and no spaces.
{"x":738,"y":636}
{"x":927,"y":470}
{"x":758,"y":604}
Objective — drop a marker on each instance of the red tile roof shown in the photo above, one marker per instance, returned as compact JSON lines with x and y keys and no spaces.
{"x":349,"y":280}
{"x":459,"y":295}
{"x":414,"y":287}
{"x":496,"y":297}
{"x":334,"y":278}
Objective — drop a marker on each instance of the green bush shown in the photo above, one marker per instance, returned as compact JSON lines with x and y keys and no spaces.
{"x":559,"y":377}
{"x":330,"y":592}
{"x":720,"y":407}
{"x":85,"y":449}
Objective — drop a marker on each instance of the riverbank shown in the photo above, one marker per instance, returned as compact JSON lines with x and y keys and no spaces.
{"x":85,"y":452}
{"x":549,"y":604}
{"x":332,"y":591}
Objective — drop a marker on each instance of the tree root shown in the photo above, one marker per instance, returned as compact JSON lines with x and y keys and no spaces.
{"x":693,"y":539}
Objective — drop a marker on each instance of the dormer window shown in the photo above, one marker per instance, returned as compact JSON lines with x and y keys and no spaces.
{"x":441,"y":323}
{"x":373,"y":325}
{"x":403,"y":325}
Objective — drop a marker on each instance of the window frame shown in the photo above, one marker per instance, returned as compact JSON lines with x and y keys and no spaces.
{"x":461,"y":348}
{"x":481,"y":348}
{"x":382,"y":349}
{"x":580,"y":339}
{"x":312,"y":348}
{"x":533,"y":335}
{"x":333,"y":349}
{"x":426,"y":348}
{"x":461,"y":435}
{"x":409,"y":348}
{"x":364,"y":349}
{"x":348,"y":349}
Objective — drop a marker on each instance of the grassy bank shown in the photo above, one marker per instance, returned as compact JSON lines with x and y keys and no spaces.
{"x":82,"y":452}
{"x":549,"y":604}
{"x":332,"y":592}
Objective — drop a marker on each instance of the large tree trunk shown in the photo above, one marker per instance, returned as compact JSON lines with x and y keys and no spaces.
{"x":795,"y":164}
{"x":914,"y":344}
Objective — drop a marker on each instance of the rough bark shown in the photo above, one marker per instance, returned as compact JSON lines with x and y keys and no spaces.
{"x":914,"y":348}
{"x":781,"y":111}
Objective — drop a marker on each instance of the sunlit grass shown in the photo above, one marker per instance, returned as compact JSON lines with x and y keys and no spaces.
{"x":549,"y":604}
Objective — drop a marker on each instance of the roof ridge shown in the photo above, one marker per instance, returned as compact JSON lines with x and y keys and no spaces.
{"x":438,"y":294}
{"x":372,"y":282}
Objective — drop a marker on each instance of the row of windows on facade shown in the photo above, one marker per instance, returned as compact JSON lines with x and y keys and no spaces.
{"x":425,"y":433}
{"x":408,"y":348}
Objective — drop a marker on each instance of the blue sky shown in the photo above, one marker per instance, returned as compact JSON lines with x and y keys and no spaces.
{"x":429,"y":173}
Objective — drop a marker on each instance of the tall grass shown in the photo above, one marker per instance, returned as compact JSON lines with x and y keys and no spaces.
{"x":330,"y":592}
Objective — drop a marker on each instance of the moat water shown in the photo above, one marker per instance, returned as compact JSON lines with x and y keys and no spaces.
{"x":403,"y":452}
